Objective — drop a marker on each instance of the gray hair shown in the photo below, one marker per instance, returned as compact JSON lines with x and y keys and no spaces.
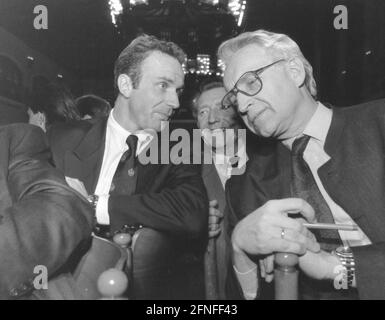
{"x":278,"y":44}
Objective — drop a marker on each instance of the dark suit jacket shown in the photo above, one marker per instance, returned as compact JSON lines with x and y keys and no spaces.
{"x":354,"y":177}
{"x":168,"y":198}
{"x":42,"y":220}
{"x":215,"y":191}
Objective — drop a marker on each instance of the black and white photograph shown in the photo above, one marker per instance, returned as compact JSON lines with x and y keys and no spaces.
{"x":205,"y":151}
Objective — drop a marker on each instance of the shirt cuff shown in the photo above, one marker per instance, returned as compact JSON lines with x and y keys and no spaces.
{"x":249,"y":282}
{"x":102,"y":216}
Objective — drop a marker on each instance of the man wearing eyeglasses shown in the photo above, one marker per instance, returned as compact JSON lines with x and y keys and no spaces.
{"x":322,"y":165}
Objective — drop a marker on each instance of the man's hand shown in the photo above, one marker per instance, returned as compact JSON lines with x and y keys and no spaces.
{"x":320,"y":266}
{"x":215,"y":217}
{"x":267,"y":264}
{"x":261,"y":231}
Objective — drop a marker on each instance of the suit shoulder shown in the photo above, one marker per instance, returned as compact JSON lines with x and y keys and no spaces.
{"x":371,"y":109}
{"x":22,"y":129}
{"x":18,"y":133}
{"x":64,"y":128}
{"x":67,"y":133}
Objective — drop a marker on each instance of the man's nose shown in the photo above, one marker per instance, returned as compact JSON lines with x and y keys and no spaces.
{"x":213,"y":116}
{"x":242,"y":103}
{"x":173,"y":100}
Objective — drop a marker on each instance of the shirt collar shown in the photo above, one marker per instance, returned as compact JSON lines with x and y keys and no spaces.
{"x":121,"y":134}
{"x":222,"y":159}
{"x":317,"y":127}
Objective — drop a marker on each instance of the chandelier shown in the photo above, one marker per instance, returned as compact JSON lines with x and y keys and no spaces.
{"x":235,"y":7}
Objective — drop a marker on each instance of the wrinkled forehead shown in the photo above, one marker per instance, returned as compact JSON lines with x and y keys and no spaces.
{"x":211,"y":97}
{"x":251,"y":57}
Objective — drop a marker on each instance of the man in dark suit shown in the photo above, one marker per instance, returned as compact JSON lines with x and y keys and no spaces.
{"x":324,"y":164}
{"x":222,"y":134}
{"x":166,"y":199}
{"x":42,"y":220}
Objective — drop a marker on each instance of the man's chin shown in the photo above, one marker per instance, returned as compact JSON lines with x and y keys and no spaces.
{"x":159,"y":125}
{"x":257,"y":130}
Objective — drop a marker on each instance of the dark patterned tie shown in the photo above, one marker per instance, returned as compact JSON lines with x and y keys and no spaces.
{"x":124,"y":180}
{"x":304,"y":186}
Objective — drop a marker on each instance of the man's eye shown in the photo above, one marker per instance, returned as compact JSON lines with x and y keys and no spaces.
{"x":202,"y":112}
{"x":163,"y":85}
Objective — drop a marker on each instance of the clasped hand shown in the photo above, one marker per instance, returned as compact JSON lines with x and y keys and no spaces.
{"x":269,"y":229}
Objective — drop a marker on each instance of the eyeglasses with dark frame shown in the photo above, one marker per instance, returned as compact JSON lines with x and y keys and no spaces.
{"x":249,"y":84}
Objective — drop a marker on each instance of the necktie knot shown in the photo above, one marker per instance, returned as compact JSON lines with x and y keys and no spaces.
{"x":299,"y":145}
{"x":132,"y":142}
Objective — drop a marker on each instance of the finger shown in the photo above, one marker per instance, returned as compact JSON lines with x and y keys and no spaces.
{"x":312,"y":240}
{"x":215,"y":212}
{"x":291,"y":205}
{"x":214,"y":220}
{"x":287,"y":223}
{"x":262,"y":267}
{"x":213,"y":226}
{"x":283,"y":245}
{"x":215,"y":233}
{"x":213,"y":203}
{"x":309,"y":243}
{"x":269,"y":278}
{"x":269,"y":263}
{"x":310,"y":235}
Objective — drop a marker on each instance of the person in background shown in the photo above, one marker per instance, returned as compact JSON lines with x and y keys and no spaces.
{"x":52,"y":104}
{"x":43,"y":221}
{"x":220,"y":130}
{"x":91,"y":106}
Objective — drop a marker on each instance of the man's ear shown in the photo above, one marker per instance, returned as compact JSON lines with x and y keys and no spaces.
{"x":297,"y":71}
{"x":125,"y":85}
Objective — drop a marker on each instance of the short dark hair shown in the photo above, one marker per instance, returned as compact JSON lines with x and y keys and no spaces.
{"x":56,"y":102}
{"x":92,"y":105}
{"x":204,"y":86}
{"x":130,"y":59}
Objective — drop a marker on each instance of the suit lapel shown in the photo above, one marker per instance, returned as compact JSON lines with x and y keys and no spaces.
{"x":334,"y":173}
{"x":86,"y":160}
{"x":332,"y":145}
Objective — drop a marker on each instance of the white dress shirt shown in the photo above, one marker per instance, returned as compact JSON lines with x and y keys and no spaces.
{"x":315,"y":156}
{"x":115,"y":146}
{"x":223,"y":164}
